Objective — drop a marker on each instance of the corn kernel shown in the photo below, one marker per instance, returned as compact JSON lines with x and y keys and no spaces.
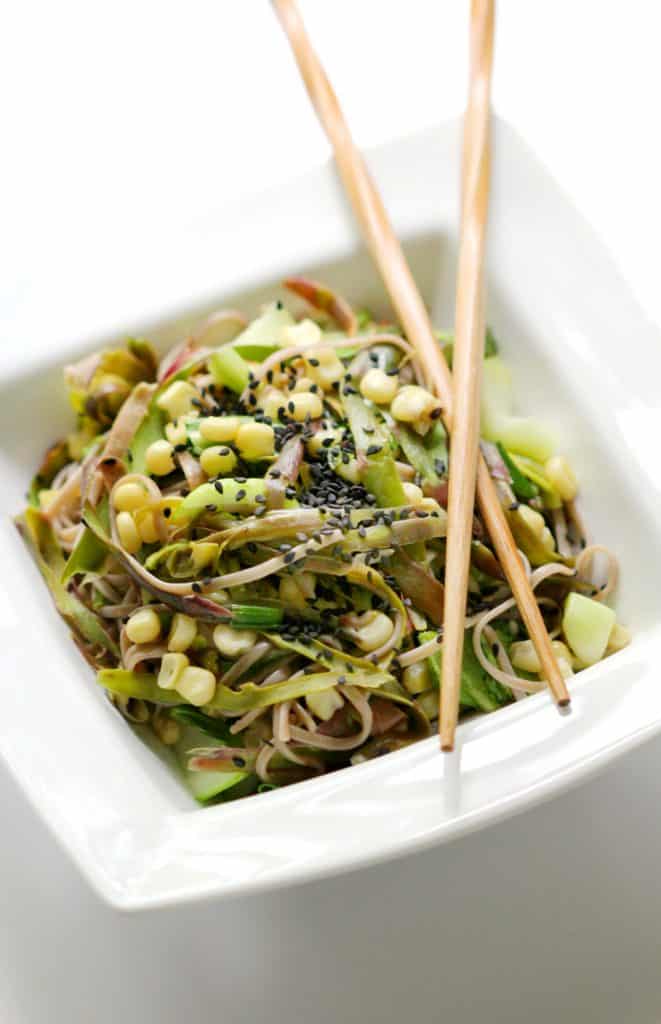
{"x":412,"y":404}
{"x":271,"y":400}
{"x":233,"y":642}
{"x":324,"y":367}
{"x":217,"y":460}
{"x":127,"y":531}
{"x":172,"y":665}
{"x":177,"y":399}
{"x":176,"y":431}
{"x":562,"y":477}
{"x":255,"y":440}
{"x":315,"y":444}
{"x":302,"y":334}
{"x":369,"y":630}
{"x":196,"y":685}
{"x":129,"y":497}
{"x":158,"y":458}
{"x":146,"y":523}
{"x":219,"y":428}
{"x":378,"y":387}
{"x":324,"y":704}
{"x":535,"y":522}
{"x":303,"y":404}
{"x":412,"y":493}
{"x":204,"y":553}
{"x":416,"y":677}
{"x":143,"y":627}
{"x":524,"y":656}
{"x":183,"y":631}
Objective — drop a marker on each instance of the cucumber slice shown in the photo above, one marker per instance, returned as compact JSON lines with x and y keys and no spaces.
{"x":264,"y":335}
{"x":520,"y":434}
{"x":203,"y":785}
{"x":587,"y":625}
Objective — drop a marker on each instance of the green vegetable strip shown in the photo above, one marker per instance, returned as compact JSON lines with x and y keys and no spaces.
{"x":143,"y":686}
{"x":426,"y":454}
{"x":48,"y":556}
{"x":151,"y":429}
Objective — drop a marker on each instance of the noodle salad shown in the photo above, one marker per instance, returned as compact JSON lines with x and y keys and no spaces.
{"x":247,"y":542}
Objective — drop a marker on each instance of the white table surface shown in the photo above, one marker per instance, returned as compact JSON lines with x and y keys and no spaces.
{"x":126,"y":124}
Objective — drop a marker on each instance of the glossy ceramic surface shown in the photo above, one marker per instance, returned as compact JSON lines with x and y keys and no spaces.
{"x":584,"y":357}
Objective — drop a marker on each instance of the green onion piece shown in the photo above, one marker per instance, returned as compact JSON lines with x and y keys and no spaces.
{"x":253,"y":616}
{"x":229,"y":369}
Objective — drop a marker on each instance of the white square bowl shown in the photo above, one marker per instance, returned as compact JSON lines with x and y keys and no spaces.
{"x":584,"y":357}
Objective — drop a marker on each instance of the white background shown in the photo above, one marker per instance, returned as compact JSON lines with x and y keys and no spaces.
{"x":123,"y":127}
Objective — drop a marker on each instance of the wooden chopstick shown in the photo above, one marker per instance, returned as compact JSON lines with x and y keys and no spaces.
{"x":389,"y":258}
{"x":468,"y":356}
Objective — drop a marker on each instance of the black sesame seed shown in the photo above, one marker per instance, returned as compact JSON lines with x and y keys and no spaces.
{"x":196,"y":588}
{"x":167,"y":512}
{"x":374,"y":449}
{"x":240,"y":494}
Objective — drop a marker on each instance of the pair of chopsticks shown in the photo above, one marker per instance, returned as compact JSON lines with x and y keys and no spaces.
{"x":460,"y":399}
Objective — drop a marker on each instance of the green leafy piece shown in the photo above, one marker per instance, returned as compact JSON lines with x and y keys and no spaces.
{"x":478,"y":689}
{"x":523,"y":487}
{"x":83,"y":622}
{"x":229,"y":369}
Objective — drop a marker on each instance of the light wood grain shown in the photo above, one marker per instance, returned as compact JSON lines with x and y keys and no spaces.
{"x":407,"y":302}
{"x":467,"y":363}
